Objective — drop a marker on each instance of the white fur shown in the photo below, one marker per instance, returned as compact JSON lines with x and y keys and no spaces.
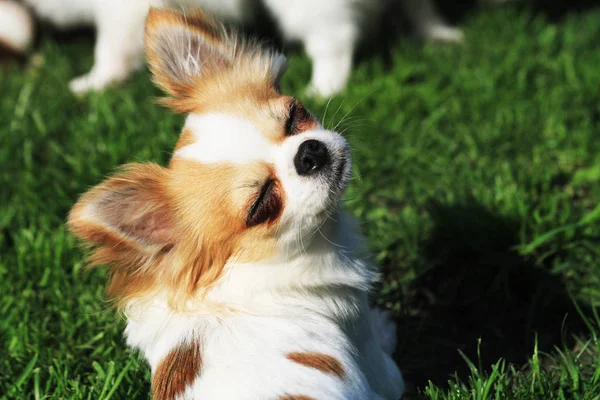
{"x":310,"y":302}
{"x":309,"y":297}
{"x":328,"y":29}
{"x":309,"y":200}
{"x":16,"y":27}
{"x":215,"y":134}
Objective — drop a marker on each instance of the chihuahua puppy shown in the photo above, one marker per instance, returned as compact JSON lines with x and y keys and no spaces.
{"x":239,"y":276}
{"x":328,"y":31}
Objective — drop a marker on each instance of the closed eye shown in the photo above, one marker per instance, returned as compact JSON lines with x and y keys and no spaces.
{"x":291,"y":124}
{"x":299,"y":119}
{"x":266,"y":206}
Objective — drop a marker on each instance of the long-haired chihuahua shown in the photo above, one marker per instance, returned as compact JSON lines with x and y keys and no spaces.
{"x":239,"y":276}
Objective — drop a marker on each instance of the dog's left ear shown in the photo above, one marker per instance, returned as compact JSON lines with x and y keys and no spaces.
{"x":183,"y":47}
{"x":128,"y":213}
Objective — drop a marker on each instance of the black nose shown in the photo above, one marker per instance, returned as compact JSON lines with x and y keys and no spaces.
{"x":311,"y":157}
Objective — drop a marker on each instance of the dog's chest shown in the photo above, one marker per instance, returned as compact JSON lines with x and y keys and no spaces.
{"x":225,"y":357}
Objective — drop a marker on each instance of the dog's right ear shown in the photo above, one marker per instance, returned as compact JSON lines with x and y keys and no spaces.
{"x":184,"y":47}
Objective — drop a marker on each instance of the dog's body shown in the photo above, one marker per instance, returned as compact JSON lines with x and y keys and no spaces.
{"x":277,"y":341}
{"x":239,"y":276}
{"x":328,"y":31}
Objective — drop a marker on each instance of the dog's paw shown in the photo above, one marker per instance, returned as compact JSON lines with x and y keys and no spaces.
{"x":386,"y":328}
{"x":83,"y":84}
{"x":322,"y":91}
{"x":94,"y":82}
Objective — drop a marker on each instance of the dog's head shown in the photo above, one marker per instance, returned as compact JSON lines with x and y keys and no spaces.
{"x":252,"y":177}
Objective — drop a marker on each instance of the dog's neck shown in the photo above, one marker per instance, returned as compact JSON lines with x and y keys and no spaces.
{"x":329,"y":264}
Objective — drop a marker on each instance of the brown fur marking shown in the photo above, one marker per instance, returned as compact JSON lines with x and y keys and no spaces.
{"x":320,"y":361}
{"x":177,"y":371}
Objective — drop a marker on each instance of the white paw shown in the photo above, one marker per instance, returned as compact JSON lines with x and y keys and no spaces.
{"x":444,"y":33}
{"x":82,"y":84}
{"x":94,"y":81}
{"x":313,"y":91}
{"x":323,"y":91}
{"x":386,"y":328}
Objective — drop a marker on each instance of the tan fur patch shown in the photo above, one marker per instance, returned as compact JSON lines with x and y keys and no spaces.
{"x":296,"y":397}
{"x":123,"y":234}
{"x":160,"y":19}
{"x":231,"y":67}
{"x":212,"y":205}
{"x":177,"y":371}
{"x":319,"y":361}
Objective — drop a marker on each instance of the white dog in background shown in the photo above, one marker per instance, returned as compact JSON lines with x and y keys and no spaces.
{"x":327,"y":29}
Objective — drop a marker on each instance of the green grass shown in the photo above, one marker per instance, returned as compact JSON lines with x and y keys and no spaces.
{"x":477,"y":179}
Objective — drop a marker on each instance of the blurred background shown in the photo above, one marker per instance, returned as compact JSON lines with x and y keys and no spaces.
{"x":476,"y":177}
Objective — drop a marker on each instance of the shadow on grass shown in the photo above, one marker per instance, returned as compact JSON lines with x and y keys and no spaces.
{"x":478,"y":286}
{"x":457,"y":11}
{"x":558,"y":9}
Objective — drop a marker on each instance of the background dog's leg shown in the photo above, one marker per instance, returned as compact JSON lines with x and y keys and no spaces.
{"x":429,"y":23}
{"x":119,"y":47}
{"x":328,"y":30}
{"x":109,"y":66}
{"x":331,"y":52}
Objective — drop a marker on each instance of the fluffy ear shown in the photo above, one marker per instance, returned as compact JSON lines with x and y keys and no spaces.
{"x":182,"y":47}
{"x":129,"y":211}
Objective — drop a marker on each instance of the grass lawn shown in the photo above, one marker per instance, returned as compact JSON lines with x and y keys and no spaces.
{"x":477,"y":178}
